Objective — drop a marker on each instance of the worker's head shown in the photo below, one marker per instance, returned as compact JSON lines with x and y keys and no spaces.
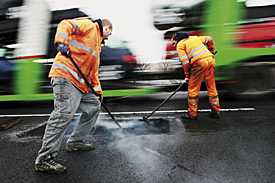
{"x":179,"y":36}
{"x":107,"y":28}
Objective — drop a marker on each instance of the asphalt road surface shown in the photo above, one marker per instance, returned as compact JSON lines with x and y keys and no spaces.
{"x":238,"y":147}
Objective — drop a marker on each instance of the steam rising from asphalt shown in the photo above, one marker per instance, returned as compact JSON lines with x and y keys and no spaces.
{"x":140,"y":151}
{"x":151,"y":157}
{"x":149,"y":164}
{"x":145,"y":154}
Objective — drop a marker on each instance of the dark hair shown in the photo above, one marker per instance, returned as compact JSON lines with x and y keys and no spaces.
{"x":175,"y":37}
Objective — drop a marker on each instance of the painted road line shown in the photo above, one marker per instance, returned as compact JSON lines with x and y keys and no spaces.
{"x":180,"y":111}
{"x":133,"y":112}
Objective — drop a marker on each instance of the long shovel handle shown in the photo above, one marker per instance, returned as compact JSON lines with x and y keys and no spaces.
{"x":165,"y":101}
{"x":87,"y":83}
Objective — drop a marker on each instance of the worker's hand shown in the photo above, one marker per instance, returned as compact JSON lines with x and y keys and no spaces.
{"x":64,"y":49}
{"x":100,"y":98}
{"x":211,"y":50}
{"x":186,"y":80}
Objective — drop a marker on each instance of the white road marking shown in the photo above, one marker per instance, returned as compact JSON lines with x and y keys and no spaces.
{"x":133,"y":112}
{"x":180,"y":111}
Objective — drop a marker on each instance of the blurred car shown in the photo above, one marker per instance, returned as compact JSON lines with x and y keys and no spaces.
{"x":177,"y":13}
{"x":116,"y":60}
{"x":6,"y":69}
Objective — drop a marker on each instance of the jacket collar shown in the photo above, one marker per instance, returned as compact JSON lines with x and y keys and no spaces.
{"x":100,"y":28}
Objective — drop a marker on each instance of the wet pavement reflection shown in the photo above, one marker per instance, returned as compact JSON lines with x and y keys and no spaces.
{"x":203,"y":127}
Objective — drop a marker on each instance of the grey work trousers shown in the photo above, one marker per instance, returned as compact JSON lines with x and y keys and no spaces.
{"x":67,"y":101}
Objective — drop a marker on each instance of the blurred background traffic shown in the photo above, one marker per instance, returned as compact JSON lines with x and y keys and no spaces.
{"x":139,"y":54}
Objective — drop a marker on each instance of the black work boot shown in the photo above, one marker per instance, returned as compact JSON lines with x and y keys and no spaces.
{"x":48,"y":165}
{"x":79,"y":146}
{"x":214,"y":115}
{"x":187,"y":116}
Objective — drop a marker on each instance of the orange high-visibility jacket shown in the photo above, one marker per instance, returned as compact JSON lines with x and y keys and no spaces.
{"x":84,"y":39}
{"x":192,"y":49}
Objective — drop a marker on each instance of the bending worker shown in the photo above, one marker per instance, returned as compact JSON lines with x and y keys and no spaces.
{"x":81,"y":39}
{"x":198,"y":63}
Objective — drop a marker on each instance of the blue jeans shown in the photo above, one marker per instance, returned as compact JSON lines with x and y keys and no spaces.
{"x":67,"y":101}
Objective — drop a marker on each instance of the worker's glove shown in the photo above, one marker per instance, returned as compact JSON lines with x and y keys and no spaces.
{"x":211,"y":49}
{"x":100,"y":98}
{"x":63,"y":48}
{"x":186,"y":80}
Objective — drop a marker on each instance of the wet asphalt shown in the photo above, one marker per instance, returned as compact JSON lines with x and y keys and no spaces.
{"x":238,"y":147}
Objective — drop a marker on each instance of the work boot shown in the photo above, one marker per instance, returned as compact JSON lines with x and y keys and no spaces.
{"x":79,"y":146}
{"x":187,"y":116}
{"x":214,"y":115}
{"x":48,"y":165}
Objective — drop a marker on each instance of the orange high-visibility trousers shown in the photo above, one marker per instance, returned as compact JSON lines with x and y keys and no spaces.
{"x":203,"y":68}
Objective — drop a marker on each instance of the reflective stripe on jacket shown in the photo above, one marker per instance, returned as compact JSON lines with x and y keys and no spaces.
{"x":192,"y":49}
{"x":84,"y":39}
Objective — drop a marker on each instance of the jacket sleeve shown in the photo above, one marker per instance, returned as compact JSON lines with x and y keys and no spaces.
{"x":184,"y":60}
{"x":64,"y":30}
{"x":208,"y":40}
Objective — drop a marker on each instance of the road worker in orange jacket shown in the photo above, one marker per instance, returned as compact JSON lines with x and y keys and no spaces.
{"x":80,"y":39}
{"x":198,"y":63}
